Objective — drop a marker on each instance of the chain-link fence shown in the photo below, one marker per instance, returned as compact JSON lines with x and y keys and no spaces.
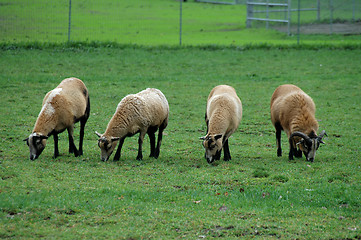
{"x":312,"y":17}
{"x":139,"y":22}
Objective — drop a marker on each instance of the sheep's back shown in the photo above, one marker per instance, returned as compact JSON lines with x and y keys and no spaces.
{"x":280,"y":101}
{"x":296,"y":109}
{"x":224,"y":96}
{"x":75,"y":96}
{"x":224,"y":112}
{"x":144,"y":109}
{"x":156,"y":104}
{"x":284,"y":90}
{"x":63,"y":105}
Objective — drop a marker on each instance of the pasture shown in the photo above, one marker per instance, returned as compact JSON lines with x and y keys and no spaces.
{"x":179,"y":195}
{"x":151,"y":23}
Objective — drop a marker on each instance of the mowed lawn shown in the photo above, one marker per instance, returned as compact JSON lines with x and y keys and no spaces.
{"x":255,"y":195}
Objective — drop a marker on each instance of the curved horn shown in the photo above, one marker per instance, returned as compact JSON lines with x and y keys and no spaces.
{"x":302,"y":135}
{"x":322,"y":134}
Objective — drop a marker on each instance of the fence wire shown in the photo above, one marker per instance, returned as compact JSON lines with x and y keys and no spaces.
{"x":316,"y":17}
{"x":93,"y":20}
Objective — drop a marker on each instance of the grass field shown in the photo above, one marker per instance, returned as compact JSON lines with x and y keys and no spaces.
{"x":256,"y":195}
{"x":147,"y":23}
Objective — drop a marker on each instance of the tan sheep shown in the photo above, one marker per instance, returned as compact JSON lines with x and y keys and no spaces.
{"x":143,"y":113}
{"x":223,"y":115}
{"x":293,"y":111}
{"x":64,"y":106}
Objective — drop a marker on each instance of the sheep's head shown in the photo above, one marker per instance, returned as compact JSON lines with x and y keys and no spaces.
{"x":213,"y":146}
{"x":36,"y":143}
{"x":309,"y":144}
{"x":106,"y":145}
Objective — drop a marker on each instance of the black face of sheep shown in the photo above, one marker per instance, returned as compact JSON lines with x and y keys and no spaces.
{"x":36,"y":145}
{"x":213,"y":147}
{"x":106,"y":146}
{"x":308,"y":145}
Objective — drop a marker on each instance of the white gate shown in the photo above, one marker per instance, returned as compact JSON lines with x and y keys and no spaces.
{"x":269,"y":8}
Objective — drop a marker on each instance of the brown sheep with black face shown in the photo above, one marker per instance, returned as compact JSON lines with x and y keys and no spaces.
{"x":293,"y":111}
{"x":143,"y":113}
{"x":223,"y":115}
{"x":64,"y":106}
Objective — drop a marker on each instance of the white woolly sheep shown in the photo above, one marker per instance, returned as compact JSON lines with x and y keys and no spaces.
{"x":223,"y":115}
{"x":293,"y":111}
{"x":64,"y":106}
{"x":143,"y":113}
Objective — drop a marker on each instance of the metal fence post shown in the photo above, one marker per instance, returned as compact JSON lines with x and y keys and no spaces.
{"x":180,"y":22}
{"x":249,"y":13}
{"x":353,"y":10}
{"x":331,"y":16}
{"x":289,"y":18}
{"x":69,"y":26}
{"x":299,"y":21}
{"x":318,"y":10}
{"x":267,"y":14}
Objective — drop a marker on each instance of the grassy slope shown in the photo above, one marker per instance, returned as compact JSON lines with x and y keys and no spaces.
{"x":256,"y":195}
{"x":143,"y":22}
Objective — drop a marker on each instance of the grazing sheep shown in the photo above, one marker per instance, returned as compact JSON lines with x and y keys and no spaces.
{"x":63,"y":106}
{"x":293,"y":111}
{"x":223,"y":115}
{"x":144,"y":112}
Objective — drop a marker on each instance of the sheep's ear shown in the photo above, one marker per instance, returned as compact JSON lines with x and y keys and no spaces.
{"x":98,"y":134}
{"x":218,"y":137}
{"x":115,"y":139}
{"x":26,"y":139}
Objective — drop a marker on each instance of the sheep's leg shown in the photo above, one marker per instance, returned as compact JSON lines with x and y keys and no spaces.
{"x":207,"y":121}
{"x":218,"y":155}
{"x":160,"y":137}
{"x":140,"y":143}
{"x":82,"y":126}
{"x":117,"y":154}
{"x":152,"y":143}
{"x":278,"y":139}
{"x":81,"y":135}
{"x":298,"y":153}
{"x":56,"y":148}
{"x":292,"y":150}
{"x":151,"y":134}
{"x":227,"y":154}
{"x":72,"y":147}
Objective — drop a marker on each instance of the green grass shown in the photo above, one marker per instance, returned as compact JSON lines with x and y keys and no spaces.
{"x":143,"y":22}
{"x":255,"y":195}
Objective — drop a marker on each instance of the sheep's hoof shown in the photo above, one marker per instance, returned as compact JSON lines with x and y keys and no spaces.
{"x":279,"y":152}
{"x":156,"y":154}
